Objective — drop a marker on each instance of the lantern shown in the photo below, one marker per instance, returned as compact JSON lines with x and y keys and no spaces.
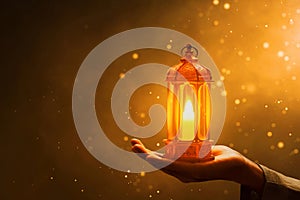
{"x":188,"y":109}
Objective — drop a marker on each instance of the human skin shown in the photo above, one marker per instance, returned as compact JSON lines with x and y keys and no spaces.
{"x":228,"y":164}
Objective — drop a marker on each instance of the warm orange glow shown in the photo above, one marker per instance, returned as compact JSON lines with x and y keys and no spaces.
{"x":188,"y":122}
{"x":188,"y":112}
{"x":204,"y":112}
{"x":173,"y":115}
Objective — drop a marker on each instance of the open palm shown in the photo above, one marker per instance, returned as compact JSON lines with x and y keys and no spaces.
{"x":227,"y":165}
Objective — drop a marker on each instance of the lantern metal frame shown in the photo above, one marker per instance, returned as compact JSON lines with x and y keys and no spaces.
{"x":189,"y":81}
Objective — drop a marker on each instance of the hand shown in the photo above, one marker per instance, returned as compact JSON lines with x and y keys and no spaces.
{"x":228,"y":165}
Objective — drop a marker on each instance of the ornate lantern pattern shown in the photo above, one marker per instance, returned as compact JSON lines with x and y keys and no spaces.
{"x":189,"y":108}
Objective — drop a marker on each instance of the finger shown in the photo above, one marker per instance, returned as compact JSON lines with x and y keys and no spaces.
{"x":136,"y":141}
{"x":140,"y":146}
{"x":137,"y":148}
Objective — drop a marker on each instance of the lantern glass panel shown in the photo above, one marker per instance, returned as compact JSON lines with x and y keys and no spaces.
{"x":188,"y":116}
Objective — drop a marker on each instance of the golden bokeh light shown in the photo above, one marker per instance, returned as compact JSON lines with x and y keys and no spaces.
{"x":216,"y":2}
{"x":135,"y":56}
{"x":280,"y":144}
{"x":269,"y":134}
{"x":226,"y":6}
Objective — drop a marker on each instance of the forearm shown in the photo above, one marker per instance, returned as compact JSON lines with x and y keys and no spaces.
{"x":245,"y":172}
{"x":276,"y":186}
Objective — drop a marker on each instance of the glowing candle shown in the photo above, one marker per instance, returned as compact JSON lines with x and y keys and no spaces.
{"x":188,"y":122}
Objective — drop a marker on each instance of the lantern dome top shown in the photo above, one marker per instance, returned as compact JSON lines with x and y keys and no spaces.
{"x":189,"y":69}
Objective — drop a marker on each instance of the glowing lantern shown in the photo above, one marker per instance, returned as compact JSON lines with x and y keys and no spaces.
{"x":189,"y":109}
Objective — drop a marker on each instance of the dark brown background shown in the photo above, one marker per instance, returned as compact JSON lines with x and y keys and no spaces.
{"x":44,"y":43}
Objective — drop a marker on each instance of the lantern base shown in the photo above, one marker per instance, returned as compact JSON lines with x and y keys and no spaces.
{"x":196,"y":151}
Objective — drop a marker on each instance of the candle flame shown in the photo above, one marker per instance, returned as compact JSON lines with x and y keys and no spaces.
{"x":188,"y":112}
{"x":188,"y":122}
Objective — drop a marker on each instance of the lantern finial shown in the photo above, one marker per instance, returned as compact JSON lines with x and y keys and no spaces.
{"x":190,"y":53}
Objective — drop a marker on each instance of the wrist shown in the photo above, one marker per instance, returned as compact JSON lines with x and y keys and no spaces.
{"x":253,"y":176}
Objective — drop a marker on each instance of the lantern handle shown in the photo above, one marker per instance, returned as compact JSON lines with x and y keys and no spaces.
{"x":189,"y":49}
